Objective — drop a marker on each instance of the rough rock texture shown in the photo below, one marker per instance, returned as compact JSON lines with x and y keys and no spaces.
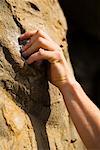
{"x":32,"y":112}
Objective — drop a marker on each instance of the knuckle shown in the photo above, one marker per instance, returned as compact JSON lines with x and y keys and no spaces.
{"x":28,"y":33}
{"x":29,"y":60}
{"x":39,"y":32}
{"x":58,"y":54}
{"x":31,"y":57}
{"x":41,"y":52}
{"x":60,"y":51}
{"x":40,"y":40}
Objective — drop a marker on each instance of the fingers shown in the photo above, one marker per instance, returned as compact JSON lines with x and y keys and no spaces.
{"x":39,"y":43}
{"x":34,"y":36}
{"x":34,"y":57}
{"x":34,"y":49}
{"x":32,"y":41}
{"x":28,"y":35}
{"x":42,"y":54}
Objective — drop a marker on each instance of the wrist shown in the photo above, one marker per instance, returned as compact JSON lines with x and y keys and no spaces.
{"x":69,"y":85}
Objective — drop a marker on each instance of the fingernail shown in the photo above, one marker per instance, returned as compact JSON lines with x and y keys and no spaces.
{"x":24,"y":55}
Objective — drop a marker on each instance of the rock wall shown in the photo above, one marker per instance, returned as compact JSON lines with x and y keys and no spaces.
{"x":32,"y":112}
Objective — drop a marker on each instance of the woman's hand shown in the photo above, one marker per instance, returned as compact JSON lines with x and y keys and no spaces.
{"x":42,"y":47}
{"x":85,"y":115}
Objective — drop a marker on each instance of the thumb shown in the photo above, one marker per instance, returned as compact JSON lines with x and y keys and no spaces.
{"x":42,"y":54}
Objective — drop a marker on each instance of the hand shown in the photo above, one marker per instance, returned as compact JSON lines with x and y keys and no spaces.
{"x":42,"y":47}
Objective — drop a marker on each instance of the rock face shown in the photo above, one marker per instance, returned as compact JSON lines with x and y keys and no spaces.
{"x":32,"y":112}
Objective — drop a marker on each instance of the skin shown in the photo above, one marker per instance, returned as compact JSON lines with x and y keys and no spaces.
{"x":84,"y":113}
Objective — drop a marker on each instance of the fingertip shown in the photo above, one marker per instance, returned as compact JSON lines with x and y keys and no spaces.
{"x":41,"y":51}
{"x":27,"y":35}
{"x":24,"y":55}
{"x":27,"y":61}
{"x":22,"y":37}
{"x":23,"y":48}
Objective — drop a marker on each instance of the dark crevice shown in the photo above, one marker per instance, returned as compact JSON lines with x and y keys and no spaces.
{"x":59,"y":23}
{"x":34,"y":6}
{"x":73,"y":140}
{"x":22,"y":30}
{"x":61,"y":46}
{"x":8,"y":5}
{"x":3,"y":83}
{"x":63,"y":39}
{"x":56,"y":146}
{"x":14,"y":6}
{"x":7,"y":124}
{"x":10,"y":59}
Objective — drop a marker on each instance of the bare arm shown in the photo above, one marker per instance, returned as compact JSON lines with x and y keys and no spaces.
{"x":85,"y":115}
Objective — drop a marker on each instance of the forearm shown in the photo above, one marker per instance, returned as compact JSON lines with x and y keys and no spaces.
{"x":84,"y":113}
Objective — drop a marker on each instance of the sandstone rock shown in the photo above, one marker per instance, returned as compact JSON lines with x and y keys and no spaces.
{"x":32,"y":111}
